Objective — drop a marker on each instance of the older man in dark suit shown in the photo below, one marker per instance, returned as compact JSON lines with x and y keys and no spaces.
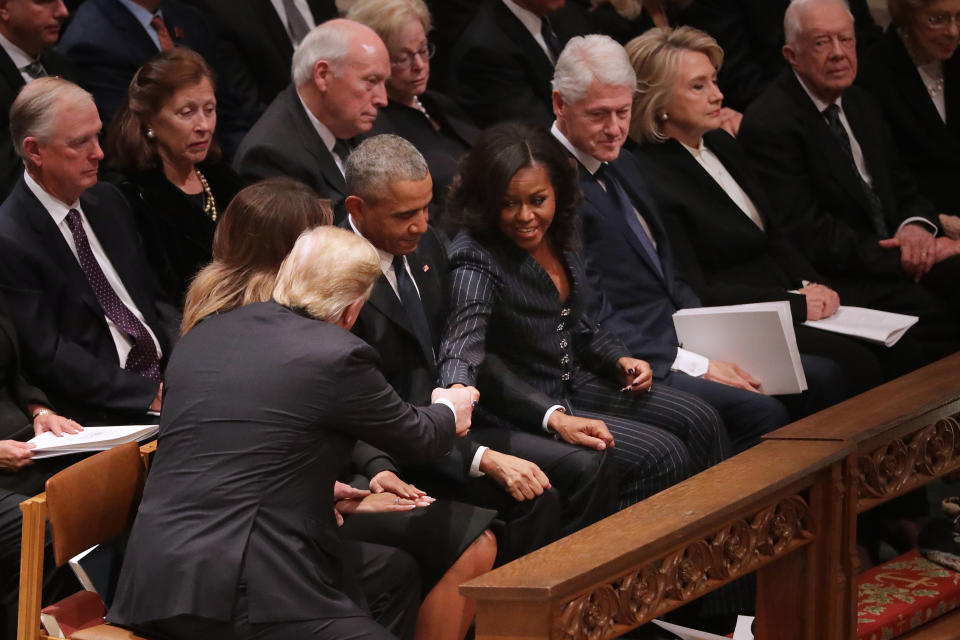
{"x":542,"y":488}
{"x":28,"y":31}
{"x":94,"y":332}
{"x":339,"y":71}
{"x":824,"y":151}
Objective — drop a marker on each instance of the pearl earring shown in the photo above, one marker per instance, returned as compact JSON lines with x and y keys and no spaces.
{"x":663,"y":117}
{"x":150,"y":133}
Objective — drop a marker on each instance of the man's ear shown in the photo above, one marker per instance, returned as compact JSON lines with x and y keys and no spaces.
{"x":354,"y":206}
{"x":321,"y":75}
{"x":558,"y":104}
{"x":4,"y":10}
{"x":31,"y":148}
{"x":790,"y":54}
{"x":349,"y":315}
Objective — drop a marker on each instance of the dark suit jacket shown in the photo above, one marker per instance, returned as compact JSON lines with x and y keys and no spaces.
{"x":66,"y":345}
{"x":499,"y":72}
{"x":441,"y":149}
{"x":717,"y":249}
{"x":283,"y":142}
{"x":816,"y":192}
{"x":262,"y":409}
{"x":751,"y":34}
{"x":254,"y":47}
{"x":640,"y":303}
{"x":10,"y":84}
{"x":176,"y":234}
{"x":504,"y":304}
{"x":929,"y":147}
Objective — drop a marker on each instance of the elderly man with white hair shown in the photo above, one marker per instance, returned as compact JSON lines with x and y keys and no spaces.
{"x":339,"y":73}
{"x":824,"y":151}
{"x":629,"y":257}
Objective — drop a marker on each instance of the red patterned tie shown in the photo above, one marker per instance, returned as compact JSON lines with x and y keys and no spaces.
{"x":166,"y":42}
{"x":142,"y":358}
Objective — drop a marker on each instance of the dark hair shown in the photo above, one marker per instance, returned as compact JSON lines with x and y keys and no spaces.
{"x":254,"y":235}
{"x":128,"y":147}
{"x":476,"y":195}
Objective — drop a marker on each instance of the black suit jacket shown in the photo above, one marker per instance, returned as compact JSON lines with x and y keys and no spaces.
{"x":505,"y":306}
{"x":751,"y":34}
{"x":816,"y":192}
{"x":66,"y":345}
{"x":262,"y":409}
{"x":717,"y":249}
{"x":640,"y":303}
{"x":283,"y":142}
{"x":254,"y":47}
{"x":10,"y":84}
{"x":929,"y":147}
{"x":176,"y":233}
{"x":499,"y":72}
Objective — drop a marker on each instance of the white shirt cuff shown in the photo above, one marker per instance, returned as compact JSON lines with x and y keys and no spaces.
{"x":475,"y":465}
{"x":447,"y":403}
{"x":923,"y":221}
{"x":690,"y":363}
{"x":546,"y":417}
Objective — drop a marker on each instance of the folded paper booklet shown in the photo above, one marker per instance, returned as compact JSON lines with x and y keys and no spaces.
{"x":880,"y":327}
{"x":90,"y":439}
{"x":758,"y":337}
{"x":742,"y":632}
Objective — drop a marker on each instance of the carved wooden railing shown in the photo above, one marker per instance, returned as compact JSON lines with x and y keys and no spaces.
{"x":785,"y":509}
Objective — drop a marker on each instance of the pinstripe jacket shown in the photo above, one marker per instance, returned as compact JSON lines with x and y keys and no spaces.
{"x":504,"y":303}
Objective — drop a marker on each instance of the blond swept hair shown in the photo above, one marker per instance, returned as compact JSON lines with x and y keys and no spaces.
{"x":655,"y":57}
{"x":388,"y":17}
{"x":327,"y":270}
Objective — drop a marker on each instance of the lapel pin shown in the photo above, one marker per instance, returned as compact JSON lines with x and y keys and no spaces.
{"x":178,"y":33}
{"x":426,"y":268}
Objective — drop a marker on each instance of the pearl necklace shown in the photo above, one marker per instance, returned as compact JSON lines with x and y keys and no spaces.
{"x":209,"y":204}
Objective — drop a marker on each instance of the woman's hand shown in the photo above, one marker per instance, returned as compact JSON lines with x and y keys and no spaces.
{"x":634,"y":374}
{"x":15,"y":455}
{"x":378,"y":503}
{"x":387,"y":481}
{"x":55,"y":424}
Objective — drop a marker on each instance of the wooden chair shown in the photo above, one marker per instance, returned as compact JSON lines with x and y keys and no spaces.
{"x":87,"y":503}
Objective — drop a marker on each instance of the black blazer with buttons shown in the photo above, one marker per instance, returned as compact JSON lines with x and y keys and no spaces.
{"x":505,"y":304}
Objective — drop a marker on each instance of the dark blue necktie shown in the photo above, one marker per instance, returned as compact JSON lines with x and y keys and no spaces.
{"x":621,"y":202}
{"x":412,"y":304}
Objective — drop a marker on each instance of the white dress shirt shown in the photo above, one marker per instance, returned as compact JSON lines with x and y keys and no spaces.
{"x":533,"y":24}
{"x":302,"y":7}
{"x":716,"y":170}
{"x":687,"y":362}
{"x":18,"y":56}
{"x":58,"y":212}
{"x":329,"y":140}
{"x":858,"y":152}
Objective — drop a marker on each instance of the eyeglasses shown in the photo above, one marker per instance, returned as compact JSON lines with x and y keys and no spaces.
{"x":943,"y":21}
{"x":405,"y":59}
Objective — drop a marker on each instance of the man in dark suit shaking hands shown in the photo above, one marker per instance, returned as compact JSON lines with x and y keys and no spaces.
{"x":542,"y":488}
{"x":95,"y":332}
{"x":339,"y":75}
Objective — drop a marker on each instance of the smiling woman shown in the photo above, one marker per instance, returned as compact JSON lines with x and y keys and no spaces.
{"x":162,"y":143}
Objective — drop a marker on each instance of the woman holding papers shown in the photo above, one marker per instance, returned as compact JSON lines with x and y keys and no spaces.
{"x":725,"y":245}
{"x":24,"y":413}
{"x":519,"y":291}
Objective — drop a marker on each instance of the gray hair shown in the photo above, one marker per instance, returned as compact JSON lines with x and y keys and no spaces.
{"x":792,"y":29}
{"x":389,"y":17}
{"x":379,"y":161}
{"x":37,"y":106}
{"x":327,"y":270}
{"x":589,"y":58}
{"x":329,"y":41}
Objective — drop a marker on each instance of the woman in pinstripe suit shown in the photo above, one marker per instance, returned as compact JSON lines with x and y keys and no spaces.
{"x":519,"y":291}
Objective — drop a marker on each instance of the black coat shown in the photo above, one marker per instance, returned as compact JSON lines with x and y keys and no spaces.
{"x":176,"y":234}
{"x":816,"y":193}
{"x":928,"y":147}
{"x":261,"y":411}
{"x":65,"y":343}
{"x":10,"y":84}
{"x":284,"y":142}
{"x":717,"y":249}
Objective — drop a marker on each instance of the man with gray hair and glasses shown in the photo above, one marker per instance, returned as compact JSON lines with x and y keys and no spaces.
{"x":839,"y":190}
{"x":543,"y":488}
{"x":339,"y":71}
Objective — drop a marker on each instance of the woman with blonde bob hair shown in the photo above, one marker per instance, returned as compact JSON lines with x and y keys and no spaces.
{"x":327,"y":275}
{"x":715,"y":211}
